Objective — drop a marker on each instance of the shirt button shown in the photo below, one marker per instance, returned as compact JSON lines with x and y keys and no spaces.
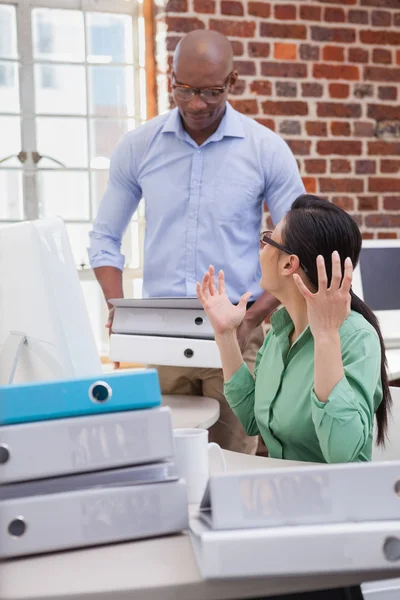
{"x":198,"y":151}
{"x":195,"y":181}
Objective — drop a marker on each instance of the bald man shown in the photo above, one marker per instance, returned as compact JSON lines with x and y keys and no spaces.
{"x":204,"y":171}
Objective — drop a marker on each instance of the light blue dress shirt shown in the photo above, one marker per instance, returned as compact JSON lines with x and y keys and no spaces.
{"x":203,"y":204}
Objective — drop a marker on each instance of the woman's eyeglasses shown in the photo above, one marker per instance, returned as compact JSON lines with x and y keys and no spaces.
{"x":211,"y":95}
{"x":266,"y":238}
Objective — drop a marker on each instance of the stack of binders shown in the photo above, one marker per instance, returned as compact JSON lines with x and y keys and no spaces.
{"x":86,"y":462}
{"x":163,"y":331}
{"x":300,"y":520}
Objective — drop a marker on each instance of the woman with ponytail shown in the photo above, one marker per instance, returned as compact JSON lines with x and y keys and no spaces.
{"x":320,"y":375}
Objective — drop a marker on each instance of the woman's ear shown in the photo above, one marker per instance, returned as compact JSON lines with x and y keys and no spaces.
{"x":291,"y":265}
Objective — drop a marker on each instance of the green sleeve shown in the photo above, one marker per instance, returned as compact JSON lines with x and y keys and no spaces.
{"x":345,"y":421}
{"x":239,"y":391}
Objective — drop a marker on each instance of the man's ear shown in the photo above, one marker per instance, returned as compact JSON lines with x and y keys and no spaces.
{"x":232,"y":81}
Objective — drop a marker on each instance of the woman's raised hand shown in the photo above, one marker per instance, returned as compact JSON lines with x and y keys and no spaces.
{"x":222,"y":314}
{"x":329,"y":306}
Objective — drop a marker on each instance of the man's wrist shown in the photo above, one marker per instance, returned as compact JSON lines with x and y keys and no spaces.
{"x":253,"y":318}
{"x":262,"y":308}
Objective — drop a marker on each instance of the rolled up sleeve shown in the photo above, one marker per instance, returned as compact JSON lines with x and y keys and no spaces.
{"x":117,"y":206}
{"x":345,"y":421}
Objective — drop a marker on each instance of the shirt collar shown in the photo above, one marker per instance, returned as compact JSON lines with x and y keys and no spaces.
{"x":230,"y":126}
{"x":173,"y":124}
{"x":282,"y":326}
{"x":281,"y":322}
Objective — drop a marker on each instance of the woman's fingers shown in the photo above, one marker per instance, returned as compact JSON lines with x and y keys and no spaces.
{"x":212,"y":288}
{"x":208,"y":288}
{"x":221,"y":282}
{"x":322,"y":278}
{"x":303,"y":289}
{"x":348,"y":276}
{"x":200,"y":293}
{"x":336,"y":271}
{"x":205,"y":286}
{"x":244,"y":299}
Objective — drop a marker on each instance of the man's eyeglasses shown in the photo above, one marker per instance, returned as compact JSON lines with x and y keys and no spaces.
{"x":211,"y":95}
{"x":266,"y":238}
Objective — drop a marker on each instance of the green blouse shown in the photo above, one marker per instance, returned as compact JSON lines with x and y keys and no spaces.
{"x":279,"y":402}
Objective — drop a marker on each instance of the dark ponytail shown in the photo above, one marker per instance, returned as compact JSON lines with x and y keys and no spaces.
{"x":314,"y":226}
{"x":384,"y":408}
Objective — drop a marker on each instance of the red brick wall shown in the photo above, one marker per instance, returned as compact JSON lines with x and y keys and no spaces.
{"x":325,"y":75}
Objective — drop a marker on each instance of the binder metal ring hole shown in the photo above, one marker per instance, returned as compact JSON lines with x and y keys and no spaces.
{"x":17,"y":527}
{"x":100,"y":392}
{"x":391,"y":549}
{"x":188,"y":353}
{"x":4,"y":454}
{"x":397,"y":487}
{"x":198,"y":321}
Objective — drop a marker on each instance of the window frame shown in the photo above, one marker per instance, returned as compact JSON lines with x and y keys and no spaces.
{"x":28,"y":115}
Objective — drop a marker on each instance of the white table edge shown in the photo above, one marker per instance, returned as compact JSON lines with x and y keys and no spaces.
{"x":114,"y":571}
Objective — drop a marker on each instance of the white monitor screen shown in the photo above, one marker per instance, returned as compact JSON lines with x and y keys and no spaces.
{"x":41,"y":301}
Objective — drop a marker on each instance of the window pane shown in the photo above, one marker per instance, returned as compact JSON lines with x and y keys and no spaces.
{"x":109,"y":38}
{"x":104,"y":137}
{"x":65,"y":194}
{"x":142,"y":42}
{"x":10,"y":140}
{"x":95,"y":306}
{"x":137,"y":288}
{"x":143,"y":95}
{"x":58,"y":35}
{"x":79,"y":238}
{"x":11,"y":204}
{"x":163,"y":95}
{"x":141,"y":209}
{"x":60,"y":89}
{"x":133,"y":288}
{"x":8,"y":32}
{"x":99,"y":184}
{"x":9,"y":92}
{"x":132,"y":255}
{"x":111,"y":91}
{"x":62,"y":139}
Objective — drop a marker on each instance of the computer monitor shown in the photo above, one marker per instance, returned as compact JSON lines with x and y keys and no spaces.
{"x":45,"y":332}
{"x":377,"y":281}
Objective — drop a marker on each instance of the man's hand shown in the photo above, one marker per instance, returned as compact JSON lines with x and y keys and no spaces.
{"x":110,"y":280}
{"x":109,"y":327}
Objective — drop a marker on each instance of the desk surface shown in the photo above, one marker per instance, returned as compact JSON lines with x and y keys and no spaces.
{"x":158,"y":569}
{"x":192,"y":411}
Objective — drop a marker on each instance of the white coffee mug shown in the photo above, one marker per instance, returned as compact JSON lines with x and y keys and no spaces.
{"x":192,"y":452}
